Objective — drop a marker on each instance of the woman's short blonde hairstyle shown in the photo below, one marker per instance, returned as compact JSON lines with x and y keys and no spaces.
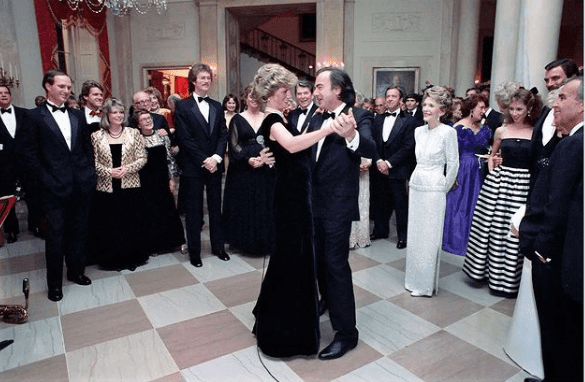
{"x":269,"y":79}
{"x":441,"y":96}
{"x":108,"y":107}
{"x":504,"y":91}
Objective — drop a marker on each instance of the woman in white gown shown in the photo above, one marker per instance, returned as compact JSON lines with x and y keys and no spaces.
{"x":435,"y":148}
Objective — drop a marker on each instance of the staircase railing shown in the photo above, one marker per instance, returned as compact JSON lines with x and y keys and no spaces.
{"x":269,"y":47}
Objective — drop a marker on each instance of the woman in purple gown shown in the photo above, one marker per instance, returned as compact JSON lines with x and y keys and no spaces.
{"x":473,"y":139}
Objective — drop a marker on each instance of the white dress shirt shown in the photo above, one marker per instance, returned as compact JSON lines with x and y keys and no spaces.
{"x":352,"y":145}
{"x":303,"y":117}
{"x":9,"y":120}
{"x":62,"y":119}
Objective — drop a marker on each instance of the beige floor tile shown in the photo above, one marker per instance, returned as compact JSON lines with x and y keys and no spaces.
{"x":363,"y":297}
{"x":175,"y":377}
{"x":358,"y":261}
{"x":202,"y":339}
{"x":160,"y":280}
{"x":441,"y":310}
{"x":444,"y":357}
{"x":312,"y":369}
{"x":93,"y":326}
{"x":25,"y":263}
{"x":236,"y":290}
{"x":506,"y":306}
{"x":47,"y":370}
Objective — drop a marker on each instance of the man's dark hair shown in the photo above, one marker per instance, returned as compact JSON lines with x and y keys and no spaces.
{"x":569,"y":66}
{"x":304,"y":84}
{"x":340,"y":79}
{"x":86,"y":88}
{"x":49,"y":77}
{"x":414,"y":96}
{"x":397,"y":88}
{"x":7,"y":88}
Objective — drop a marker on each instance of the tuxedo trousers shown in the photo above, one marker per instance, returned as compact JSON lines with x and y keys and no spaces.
{"x":390,"y":195}
{"x":192,"y":188}
{"x":561,"y":324}
{"x":67,"y":225}
{"x":334,"y":275}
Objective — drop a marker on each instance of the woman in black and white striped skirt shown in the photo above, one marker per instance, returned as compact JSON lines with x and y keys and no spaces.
{"x":492,"y":253}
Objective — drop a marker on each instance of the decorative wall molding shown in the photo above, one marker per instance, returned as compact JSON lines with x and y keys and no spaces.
{"x":397,"y":22}
{"x":166,"y":32}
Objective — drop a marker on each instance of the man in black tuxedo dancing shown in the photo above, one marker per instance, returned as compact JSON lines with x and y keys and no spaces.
{"x":336,"y":169}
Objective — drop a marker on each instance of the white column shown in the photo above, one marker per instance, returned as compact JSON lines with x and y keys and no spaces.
{"x":505,"y":43}
{"x":330,"y":14}
{"x":539,"y":41}
{"x":467,"y":49}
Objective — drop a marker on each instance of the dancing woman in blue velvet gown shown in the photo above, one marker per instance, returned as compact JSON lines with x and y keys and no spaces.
{"x":473,"y":139}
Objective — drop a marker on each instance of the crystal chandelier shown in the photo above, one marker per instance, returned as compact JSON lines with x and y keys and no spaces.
{"x":119,"y":7}
{"x":8,"y":78}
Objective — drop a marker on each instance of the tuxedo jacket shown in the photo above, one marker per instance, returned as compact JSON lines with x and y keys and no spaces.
{"x":58,"y":170}
{"x":93,"y":126}
{"x":293,"y":119}
{"x":336,"y":173}
{"x":494,"y":120}
{"x":399,"y":148}
{"x":553,"y":224}
{"x":418,"y":116}
{"x":9,"y":152}
{"x":198,"y":139}
{"x":537,"y":150}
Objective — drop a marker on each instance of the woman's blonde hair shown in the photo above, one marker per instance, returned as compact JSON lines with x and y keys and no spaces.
{"x":108,"y":107}
{"x":269,"y":79}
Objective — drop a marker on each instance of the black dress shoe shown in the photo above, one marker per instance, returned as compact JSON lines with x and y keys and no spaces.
{"x":375,"y":236}
{"x":222,"y":254}
{"x":401,"y":244}
{"x":38,"y":233}
{"x":11,"y":237}
{"x":322,"y":307}
{"x":532,"y":380}
{"x":55,"y":294}
{"x":79,"y":279}
{"x":337,"y":348}
{"x":196,"y":262}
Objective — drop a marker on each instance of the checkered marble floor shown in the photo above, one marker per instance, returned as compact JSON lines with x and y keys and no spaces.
{"x":170,"y":321}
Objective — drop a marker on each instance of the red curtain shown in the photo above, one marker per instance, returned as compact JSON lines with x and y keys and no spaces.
{"x":51,"y":13}
{"x":182,"y":86}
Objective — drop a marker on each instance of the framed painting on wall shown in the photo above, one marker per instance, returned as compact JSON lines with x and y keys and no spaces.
{"x":406,"y":79}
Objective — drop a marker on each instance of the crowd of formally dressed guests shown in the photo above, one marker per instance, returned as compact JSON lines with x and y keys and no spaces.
{"x":100,"y":180}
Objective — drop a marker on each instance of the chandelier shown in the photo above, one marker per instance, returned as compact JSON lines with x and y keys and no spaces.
{"x":119,"y":7}
{"x":8,"y":78}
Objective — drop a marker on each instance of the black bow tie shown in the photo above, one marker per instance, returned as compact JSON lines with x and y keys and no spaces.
{"x":328,"y":115}
{"x":200,"y":99}
{"x":9,"y":111}
{"x":304,"y":111}
{"x":390,"y":114}
{"x":55,"y":108}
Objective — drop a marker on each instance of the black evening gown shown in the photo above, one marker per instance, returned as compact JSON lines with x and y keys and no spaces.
{"x":287,"y":319}
{"x":247,"y":203}
{"x":163,"y":226}
{"x":116,"y":233}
